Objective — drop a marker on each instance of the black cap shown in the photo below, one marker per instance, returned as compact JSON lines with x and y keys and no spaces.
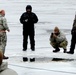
{"x":28,"y":7}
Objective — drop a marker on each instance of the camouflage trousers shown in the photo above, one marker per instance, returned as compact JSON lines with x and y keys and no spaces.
{"x":62,"y":44}
{"x":3,"y":40}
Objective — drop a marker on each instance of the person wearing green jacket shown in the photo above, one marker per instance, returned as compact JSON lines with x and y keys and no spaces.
{"x":3,"y":28}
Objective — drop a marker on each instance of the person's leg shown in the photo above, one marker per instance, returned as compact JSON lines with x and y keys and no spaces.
{"x":55,"y":46}
{"x":64,"y":45}
{"x":72,"y":46}
{"x":25,"y":42}
{"x":1,"y":44}
{"x":3,"y":41}
{"x":32,"y":41}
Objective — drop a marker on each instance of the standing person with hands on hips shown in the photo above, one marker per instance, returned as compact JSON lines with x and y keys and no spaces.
{"x":28,"y":19}
{"x":3,"y":36}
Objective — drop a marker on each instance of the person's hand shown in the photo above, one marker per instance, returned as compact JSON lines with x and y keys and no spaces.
{"x":26,"y":20}
{"x":54,"y":36}
{"x":8,"y":30}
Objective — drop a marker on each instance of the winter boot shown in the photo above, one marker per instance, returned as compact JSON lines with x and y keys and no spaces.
{"x":4,"y":57}
{"x":56,"y":50}
{"x":33,"y":48}
{"x":24,"y":49}
{"x":70,"y":52}
{"x":64,"y":50}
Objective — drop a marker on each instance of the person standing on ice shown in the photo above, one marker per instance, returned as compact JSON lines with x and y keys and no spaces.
{"x":3,"y":36}
{"x":4,"y":70}
{"x":58,"y":39}
{"x":73,"y":39}
{"x":28,"y":19}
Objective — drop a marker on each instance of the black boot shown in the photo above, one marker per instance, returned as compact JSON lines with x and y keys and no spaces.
{"x":33,"y":49}
{"x":4,"y":57}
{"x":64,"y":50}
{"x":56,"y":50}
{"x":70,"y":52}
{"x":25,"y":49}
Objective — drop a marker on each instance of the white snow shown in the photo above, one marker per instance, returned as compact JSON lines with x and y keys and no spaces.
{"x":51,"y":13}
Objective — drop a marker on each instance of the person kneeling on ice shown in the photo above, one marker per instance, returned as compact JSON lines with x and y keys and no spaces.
{"x":58,"y":39}
{"x":4,"y":70}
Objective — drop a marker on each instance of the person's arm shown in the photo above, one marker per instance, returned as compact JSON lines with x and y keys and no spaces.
{"x":35,"y":19}
{"x":5,"y":24}
{"x":23,"y":18}
{"x":61,"y":37}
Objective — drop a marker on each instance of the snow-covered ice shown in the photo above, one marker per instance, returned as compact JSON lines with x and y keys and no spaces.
{"x":51,"y":13}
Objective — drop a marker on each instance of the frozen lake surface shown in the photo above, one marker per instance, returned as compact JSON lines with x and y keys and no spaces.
{"x":51,"y":13}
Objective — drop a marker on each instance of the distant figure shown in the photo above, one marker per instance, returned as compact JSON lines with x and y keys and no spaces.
{"x":4,"y":70}
{"x":3,"y":36}
{"x":73,"y":39}
{"x":58,"y":39}
{"x":28,"y":19}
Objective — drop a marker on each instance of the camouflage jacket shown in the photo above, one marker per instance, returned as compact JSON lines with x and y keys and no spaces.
{"x":3,"y":23}
{"x":60,"y":38}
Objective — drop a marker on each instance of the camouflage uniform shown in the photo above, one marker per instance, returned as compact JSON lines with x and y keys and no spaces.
{"x":3,"y":36}
{"x":60,"y":41}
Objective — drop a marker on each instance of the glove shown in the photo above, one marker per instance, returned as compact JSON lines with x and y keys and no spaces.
{"x":26,"y":20}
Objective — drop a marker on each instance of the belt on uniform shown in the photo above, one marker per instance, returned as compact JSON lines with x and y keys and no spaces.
{"x":2,"y":30}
